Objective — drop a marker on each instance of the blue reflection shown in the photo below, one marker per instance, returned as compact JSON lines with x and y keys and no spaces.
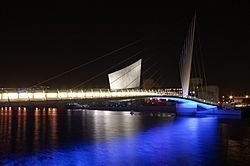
{"x":184,"y":141}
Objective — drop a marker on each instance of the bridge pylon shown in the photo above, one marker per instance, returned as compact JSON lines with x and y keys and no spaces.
{"x":186,"y":58}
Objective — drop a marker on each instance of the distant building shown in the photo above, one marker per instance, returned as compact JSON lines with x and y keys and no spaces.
{"x":235,"y":101}
{"x":210,"y":92}
{"x":238,"y":99}
{"x":195,"y":82}
{"x":206,"y":92}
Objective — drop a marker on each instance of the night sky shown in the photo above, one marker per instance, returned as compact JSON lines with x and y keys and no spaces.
{"x":39,"y":42}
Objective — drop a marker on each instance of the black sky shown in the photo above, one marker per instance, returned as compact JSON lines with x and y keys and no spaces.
{"x":39,"y":42}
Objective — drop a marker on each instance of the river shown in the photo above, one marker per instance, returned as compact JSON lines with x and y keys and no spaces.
{"x":97,"y":137}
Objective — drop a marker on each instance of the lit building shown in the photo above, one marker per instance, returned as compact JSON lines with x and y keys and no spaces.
{"x":235,"y":101}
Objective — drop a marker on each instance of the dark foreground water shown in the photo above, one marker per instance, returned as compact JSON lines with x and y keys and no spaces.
{"x":54,"y":137}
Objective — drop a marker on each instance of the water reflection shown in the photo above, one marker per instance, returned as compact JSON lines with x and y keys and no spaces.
{"x":109,"y":124}
{"x":5,"y":128}
{"x":235,"y":138}
{"x":117,"y":138}
{"x":23,"y":131}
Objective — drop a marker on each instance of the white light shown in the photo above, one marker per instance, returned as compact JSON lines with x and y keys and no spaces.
{"x":5,"y":96}
{"x":104,"y":94}
{"x":88,"y":94}
{"x":39,"y":95}
{"x":80,"y":94}
{"x":72,"y":94}
{"x":25,"y":95}
{"x":96,"y":94}
{"x":62,"y":94}
{"x":51,"y":95}
{"x":13,"y":95}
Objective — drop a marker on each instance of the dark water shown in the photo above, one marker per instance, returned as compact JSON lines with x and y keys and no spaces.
{"x":55,"y":137}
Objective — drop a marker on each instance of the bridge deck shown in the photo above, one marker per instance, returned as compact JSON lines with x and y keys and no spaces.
{"x":56,"y":95}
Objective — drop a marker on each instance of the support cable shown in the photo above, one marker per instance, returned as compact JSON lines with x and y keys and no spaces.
{"x":95,"y":76}
{"x":202,"y":63}
{"x":157,"y":81}
{"x":138,"y":78}
{"x":84,"y":64}
{"x":149,"y":68}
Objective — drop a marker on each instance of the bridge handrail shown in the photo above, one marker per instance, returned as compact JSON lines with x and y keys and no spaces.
{"x":37,"y":95}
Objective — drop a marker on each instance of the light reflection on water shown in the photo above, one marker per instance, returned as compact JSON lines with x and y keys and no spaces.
{"x":117,"y":138}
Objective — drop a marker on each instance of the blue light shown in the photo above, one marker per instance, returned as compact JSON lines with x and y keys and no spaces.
{"x":166,"y":144}
{"x":190,"y":103}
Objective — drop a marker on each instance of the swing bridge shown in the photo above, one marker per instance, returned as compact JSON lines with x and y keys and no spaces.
{"x":123,"y":83}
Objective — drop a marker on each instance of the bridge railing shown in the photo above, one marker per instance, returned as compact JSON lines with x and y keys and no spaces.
{"x":69,"y":94}
{"x":43,"y":95}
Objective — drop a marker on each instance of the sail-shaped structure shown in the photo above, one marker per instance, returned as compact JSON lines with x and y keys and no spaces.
{"x":128,"y":77}
{"x":186,"y":59}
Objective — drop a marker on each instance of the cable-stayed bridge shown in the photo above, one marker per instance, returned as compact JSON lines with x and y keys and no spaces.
{"x":58,"y":97}
{"x":123,"y":83}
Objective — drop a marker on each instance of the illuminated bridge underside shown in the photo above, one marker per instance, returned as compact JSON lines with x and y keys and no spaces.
{"x":191,"y":102}
{"x":190,"y":106}
{"x":102,"y":94}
